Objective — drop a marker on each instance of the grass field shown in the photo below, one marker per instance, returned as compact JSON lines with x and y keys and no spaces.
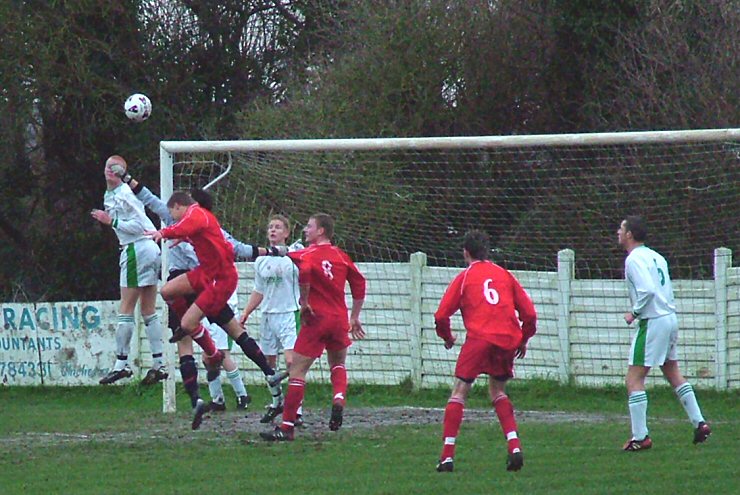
{"x":115,"y":440}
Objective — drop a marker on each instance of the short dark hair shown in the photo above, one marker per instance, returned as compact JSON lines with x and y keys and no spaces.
{"x":326,"y":222}
{"x":477,"y":244}
{"x":636,"y":225}
{"x":203,"y":198}
{"x":180,"y":198}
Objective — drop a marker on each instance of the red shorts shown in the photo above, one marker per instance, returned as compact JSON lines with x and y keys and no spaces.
{"x":317,"y":333}
{"x":213,"y":293}
{"x":478,"y":356}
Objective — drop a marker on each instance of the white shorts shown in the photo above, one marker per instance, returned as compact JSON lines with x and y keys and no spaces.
{"x":278,"y":331}
{"x":655,"y":341}
{"x":218,"y":334}
{"x":140,"y":262}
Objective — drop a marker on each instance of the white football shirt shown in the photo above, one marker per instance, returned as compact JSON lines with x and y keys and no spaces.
{"x":127,"y":212}
{"x":649,"y":283}
{"x":276,"y":278}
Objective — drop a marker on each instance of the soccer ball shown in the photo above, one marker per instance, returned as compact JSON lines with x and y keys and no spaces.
{"x":138,"y":107}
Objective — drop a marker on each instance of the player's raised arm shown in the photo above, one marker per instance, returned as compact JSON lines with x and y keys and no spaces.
{"x":250,"y":252}
{"x":153,"y":202}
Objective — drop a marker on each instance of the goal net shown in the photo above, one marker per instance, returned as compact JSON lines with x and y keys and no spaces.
{"x":551,"y":205}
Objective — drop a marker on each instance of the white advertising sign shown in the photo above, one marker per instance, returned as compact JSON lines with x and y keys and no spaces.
{"x":67,"y":343}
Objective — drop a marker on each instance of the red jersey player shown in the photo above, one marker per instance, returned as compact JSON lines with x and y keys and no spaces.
{"x":489,"y":298}
{"x":324,"y":270}
{"x":214,"y":280}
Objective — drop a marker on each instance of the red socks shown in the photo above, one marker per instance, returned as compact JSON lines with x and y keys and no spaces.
{"x":339,"y":384}
{"x":452,"y":421}
{"x":204,"y":340}
{"x":293,"y":400}
{"x":505,"y":413}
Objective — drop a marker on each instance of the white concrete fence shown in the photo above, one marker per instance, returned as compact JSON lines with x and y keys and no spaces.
{"x":581,"y":336}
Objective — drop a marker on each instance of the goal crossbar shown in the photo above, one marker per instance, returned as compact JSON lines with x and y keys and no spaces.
{"x":462,"y":142}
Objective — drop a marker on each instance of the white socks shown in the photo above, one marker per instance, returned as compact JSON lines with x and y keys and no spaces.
{"x":216,"y":391}
{"x":236,"y":381}
{"x":638,"y":403}
{"x":154,"y":334}
{"x":124,"y":331}
{"x":686,"y":397}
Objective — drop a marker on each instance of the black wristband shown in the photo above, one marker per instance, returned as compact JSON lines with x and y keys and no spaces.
{"x":137,"y":189}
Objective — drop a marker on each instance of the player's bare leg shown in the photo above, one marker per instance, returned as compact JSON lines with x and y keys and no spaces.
{"x":638,"y":403}
{"x":124,"y":332}
{"x":687,"y":398}
{"x":451,"y":424}
{"x":293,"y":399}
{"x":336,"y":361}
{"x":505,"y":412}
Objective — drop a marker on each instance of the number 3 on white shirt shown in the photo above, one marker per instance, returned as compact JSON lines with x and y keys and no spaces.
{"x":489,"y":292}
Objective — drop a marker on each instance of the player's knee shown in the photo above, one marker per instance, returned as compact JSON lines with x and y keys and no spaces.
{"x":223,"y":317}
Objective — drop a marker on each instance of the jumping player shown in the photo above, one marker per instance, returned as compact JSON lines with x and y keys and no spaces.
{"x":139,"y":272}
{"x":212,"y":282}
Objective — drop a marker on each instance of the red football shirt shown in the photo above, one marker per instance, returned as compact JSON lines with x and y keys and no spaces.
{"x":327,"y":269}
{"x":201,"y":229}
{"x":487,"y":296}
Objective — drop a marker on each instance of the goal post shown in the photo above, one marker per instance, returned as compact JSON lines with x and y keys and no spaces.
{"x":539,"y":197}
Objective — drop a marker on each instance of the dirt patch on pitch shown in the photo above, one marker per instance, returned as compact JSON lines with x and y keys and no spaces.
{"x":241,"y":426}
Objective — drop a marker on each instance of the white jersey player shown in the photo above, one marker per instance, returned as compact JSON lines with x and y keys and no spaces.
{"x":656,"y":338}
{"x":139,"y":272}
{"x":276,"y":292}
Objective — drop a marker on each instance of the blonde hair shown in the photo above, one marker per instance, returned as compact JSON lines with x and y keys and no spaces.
{"x":280,"y":218}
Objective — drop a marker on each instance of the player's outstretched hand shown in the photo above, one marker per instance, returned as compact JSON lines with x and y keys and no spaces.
{"x":154,"y":234}
{"x":355,"y":329}
{"x":296,"y":246}
{"x":450,"y":342}
{"x":521,"y":351}
{"x":101,"y":216}
{"x":243,"y":319}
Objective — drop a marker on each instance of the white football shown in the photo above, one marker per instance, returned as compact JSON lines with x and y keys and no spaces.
{"x":138,"y":107}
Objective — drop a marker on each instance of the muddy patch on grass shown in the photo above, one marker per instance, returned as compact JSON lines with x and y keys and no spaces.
{"x":246,"y":426}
